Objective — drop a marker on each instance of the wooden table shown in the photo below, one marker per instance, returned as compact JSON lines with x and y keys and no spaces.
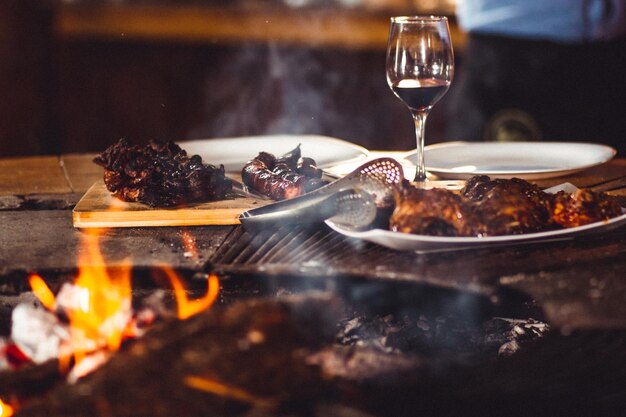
{"x":578,"y":283}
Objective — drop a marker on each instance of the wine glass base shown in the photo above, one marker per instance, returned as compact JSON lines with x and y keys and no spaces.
{"x":420,"y":178}
{"x":410,"y":171}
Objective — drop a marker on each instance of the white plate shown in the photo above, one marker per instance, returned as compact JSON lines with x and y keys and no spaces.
{"x":527,"y":160}
{"x":424,"y":243}
{"x":233,"y":153}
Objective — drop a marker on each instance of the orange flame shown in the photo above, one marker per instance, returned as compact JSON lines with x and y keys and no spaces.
{"x":217,"y":388}
{"x":104,"y":302}
{"x":42,"y":291}
{"x":187,"y":307}
{"x":101,"y":307}
{"x":5,"y":409}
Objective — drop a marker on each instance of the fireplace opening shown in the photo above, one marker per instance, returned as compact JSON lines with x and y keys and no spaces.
{"x":341,"y":345}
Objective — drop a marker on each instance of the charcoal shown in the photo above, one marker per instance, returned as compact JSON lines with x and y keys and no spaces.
{"x":439,"y":335}
{"x":30,"y":380}
{"x":365,"y":363}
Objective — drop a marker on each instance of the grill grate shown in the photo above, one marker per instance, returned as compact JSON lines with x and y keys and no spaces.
{"x":309,"y":252}
{"x":296,"y":246}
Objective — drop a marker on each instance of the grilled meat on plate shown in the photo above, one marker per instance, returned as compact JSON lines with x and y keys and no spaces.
{"x":487,"y":207}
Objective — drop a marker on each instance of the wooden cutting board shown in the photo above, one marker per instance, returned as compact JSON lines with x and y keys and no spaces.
{"x":98,"y":208}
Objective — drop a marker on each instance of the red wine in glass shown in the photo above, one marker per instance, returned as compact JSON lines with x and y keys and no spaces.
{"x":420,"y":94}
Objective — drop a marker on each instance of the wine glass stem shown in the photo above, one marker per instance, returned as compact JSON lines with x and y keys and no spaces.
{"x":420,"y":122}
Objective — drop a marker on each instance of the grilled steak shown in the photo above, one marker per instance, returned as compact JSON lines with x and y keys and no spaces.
{"x":160,"y":175}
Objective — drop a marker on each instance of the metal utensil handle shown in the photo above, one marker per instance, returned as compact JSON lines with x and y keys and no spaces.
{"x":313,"y":209}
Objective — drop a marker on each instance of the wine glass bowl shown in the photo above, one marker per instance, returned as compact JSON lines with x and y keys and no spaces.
{"x":420,"y":68}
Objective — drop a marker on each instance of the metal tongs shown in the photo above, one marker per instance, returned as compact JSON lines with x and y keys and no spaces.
{"x":350,"y":201}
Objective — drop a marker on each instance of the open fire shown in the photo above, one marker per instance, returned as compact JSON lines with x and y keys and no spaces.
{"x":270,"y":356}
{"x":278,"y":345}
{"x":90,"y":318}
{"x":98,"y":307}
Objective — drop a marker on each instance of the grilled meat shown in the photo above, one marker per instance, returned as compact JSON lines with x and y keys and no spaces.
{"x":488,"y":207}
{"x":583,"y":207}
{"x":506,"y":207}
{"x":282,"y":178}
{"x":436,"y":212}
{"x":160,"y":174}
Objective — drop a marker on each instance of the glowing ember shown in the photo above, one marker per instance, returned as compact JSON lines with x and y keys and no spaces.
{"x":217,"y":388}
{"x":187,"y":307}
{"x":189,"y":243}
{"x":5,"y":409}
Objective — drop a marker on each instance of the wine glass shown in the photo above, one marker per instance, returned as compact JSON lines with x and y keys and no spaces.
{"x":420,"y":67}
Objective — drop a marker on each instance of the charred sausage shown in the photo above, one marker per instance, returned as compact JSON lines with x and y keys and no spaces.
{"x":282,"y":178}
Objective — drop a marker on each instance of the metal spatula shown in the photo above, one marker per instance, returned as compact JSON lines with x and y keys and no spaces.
{"x":350,"y":201}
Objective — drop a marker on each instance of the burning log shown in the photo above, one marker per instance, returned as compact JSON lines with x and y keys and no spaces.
{"x":29,"y":381}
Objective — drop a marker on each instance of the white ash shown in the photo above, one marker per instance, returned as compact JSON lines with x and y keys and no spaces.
{"x":72,"y":297}
{"x":521,"y":332}
{"x":37,"y":332}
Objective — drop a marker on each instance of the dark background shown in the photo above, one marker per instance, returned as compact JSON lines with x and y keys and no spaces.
{"x":73,"y":90}
{"x":81,"y":93}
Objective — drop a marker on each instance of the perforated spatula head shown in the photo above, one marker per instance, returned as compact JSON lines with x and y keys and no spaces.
{"x":378,"y":177}
{"x":356,"y":209}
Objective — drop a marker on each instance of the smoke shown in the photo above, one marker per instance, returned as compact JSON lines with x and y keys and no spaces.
{"x":277,"y":89}
{"x":300,"y":80}
{"x":270,"y":90}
